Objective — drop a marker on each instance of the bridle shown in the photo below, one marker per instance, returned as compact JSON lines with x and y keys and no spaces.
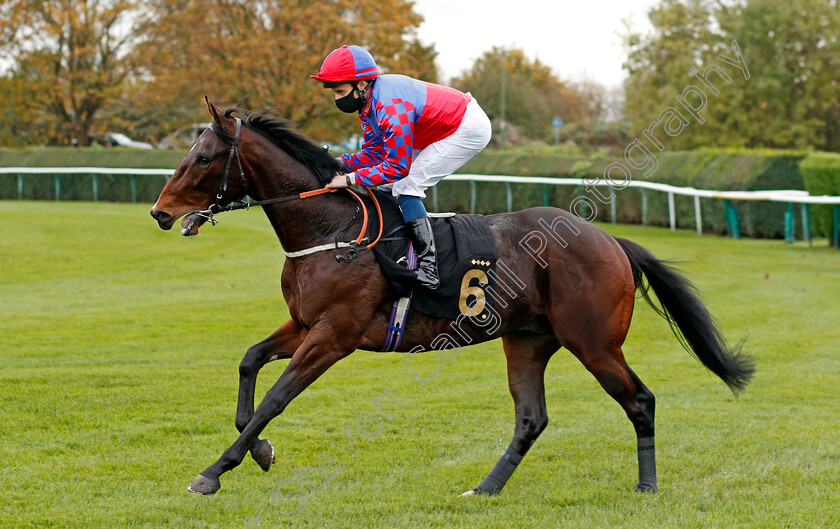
{"x":234,"y":150}
{"x":217,"y":207}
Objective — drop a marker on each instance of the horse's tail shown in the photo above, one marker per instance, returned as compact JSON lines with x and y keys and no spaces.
{"x":689,"y":319}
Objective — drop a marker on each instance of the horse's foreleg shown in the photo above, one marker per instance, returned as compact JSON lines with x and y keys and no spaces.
{"x":316,"y":354}
{"x":527,"y":356}
{"x":281,"y":344}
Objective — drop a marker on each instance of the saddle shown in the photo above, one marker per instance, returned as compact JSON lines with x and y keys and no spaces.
{"x":466,"y":262}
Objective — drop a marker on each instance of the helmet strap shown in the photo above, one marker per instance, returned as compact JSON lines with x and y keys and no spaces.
{"x":362,"y":93}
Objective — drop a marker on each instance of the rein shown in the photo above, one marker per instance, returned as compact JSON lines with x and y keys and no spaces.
{"x":216,"y":208}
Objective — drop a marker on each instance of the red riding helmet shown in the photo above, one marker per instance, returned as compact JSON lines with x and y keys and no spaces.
{"x":347,"y":63}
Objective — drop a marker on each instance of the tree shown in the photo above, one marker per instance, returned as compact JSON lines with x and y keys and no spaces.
{"x":265,"y":51}
{"x":69,"y":61}
{"x":793,"y":47}
{"x":658,"y":64}
{"x":791,"y":100}
{"x":144,"y":67}
{"x":533,"y":94}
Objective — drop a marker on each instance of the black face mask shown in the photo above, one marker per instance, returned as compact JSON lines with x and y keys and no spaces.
{"x":349,"y":103}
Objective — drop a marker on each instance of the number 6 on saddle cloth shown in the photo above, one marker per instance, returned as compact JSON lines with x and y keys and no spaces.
{"x":466,"y":264}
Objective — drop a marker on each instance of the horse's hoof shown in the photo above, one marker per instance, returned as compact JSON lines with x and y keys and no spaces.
{"x":204,"y":485}
{"x":479,"y":492}
{"x":645,"y":487}
{"x":263,"y":454}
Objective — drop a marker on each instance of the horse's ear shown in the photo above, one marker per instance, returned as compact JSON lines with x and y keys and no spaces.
{"x":215,"y":113}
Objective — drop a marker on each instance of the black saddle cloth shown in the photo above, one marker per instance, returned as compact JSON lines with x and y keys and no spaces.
{"x":466,"y":256}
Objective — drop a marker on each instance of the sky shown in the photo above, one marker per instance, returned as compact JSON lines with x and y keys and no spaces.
{"x":577,"y":39}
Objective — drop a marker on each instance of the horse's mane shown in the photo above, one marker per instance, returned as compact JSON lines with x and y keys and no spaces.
{"x":282,"y":133}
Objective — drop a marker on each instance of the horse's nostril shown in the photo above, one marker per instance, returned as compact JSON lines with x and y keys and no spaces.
{"x":164,"y":219}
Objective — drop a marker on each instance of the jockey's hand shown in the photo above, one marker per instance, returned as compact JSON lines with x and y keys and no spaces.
{"x":339,"y":181}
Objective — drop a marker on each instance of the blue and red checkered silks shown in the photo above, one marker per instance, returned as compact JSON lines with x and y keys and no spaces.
{"x":402,"y":114}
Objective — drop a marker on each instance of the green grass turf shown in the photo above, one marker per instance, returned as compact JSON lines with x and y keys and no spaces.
{"x":118,"y":378}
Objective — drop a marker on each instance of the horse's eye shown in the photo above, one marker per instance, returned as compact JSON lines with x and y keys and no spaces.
{"x":202,"y":160}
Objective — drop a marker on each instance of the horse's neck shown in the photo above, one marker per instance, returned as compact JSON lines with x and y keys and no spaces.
{"x":305,"y":222}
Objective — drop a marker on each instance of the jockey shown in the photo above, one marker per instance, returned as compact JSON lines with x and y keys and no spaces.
{"x":415,"y":134}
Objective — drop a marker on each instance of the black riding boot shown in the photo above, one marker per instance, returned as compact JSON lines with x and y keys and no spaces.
{"x":424,"y":247}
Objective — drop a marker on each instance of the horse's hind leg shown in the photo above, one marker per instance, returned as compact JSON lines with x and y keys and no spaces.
{"x":281,"y":344}
{"x":527,"y":356}
{"x":615,"y":376}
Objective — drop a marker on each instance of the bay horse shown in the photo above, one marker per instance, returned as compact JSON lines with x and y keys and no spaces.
{"x":578,"y":293}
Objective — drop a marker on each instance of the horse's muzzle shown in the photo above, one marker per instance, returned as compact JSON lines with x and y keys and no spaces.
{"x":164,"y":219}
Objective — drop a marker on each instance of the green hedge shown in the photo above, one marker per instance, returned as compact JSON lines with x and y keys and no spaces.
{"x":704,"y":169}
{"x":80,"y":186}
{"x":821,"y":171}
{"x":90,"y":157}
